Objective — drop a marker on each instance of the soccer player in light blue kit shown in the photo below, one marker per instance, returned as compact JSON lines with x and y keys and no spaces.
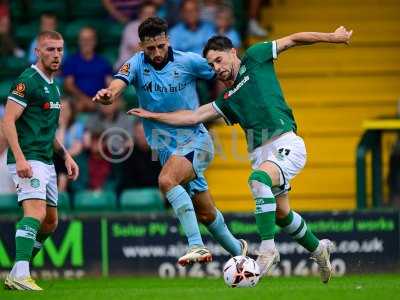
{"x":165,"y":81}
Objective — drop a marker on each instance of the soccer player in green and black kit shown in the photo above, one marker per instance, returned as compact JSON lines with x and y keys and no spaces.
{"x":255,"y":101}
{"x":29,"y":124}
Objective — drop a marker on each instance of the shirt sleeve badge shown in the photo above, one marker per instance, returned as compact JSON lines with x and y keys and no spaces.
{"x":19,"y":89}
{"x":124,"y":70}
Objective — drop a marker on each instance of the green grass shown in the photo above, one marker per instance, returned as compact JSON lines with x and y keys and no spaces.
{"x":375,"y":287}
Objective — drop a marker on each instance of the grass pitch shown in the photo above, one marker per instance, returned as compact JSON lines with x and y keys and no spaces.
{"x":375,"y":287}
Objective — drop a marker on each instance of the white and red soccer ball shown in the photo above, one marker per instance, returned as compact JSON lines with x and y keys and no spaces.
{"x":241,"y":271}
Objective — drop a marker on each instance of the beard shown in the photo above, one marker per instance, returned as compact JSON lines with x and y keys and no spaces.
{"x":53,"y":66}
{"x":226,"y":76}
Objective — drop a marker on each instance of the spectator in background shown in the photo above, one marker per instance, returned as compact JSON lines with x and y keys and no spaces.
{"x":139,"y":170}
{"x":48,"y":21}
{"x":161,"y":8}
{"x":4,"y":10}
{"x":111,"y":129}
{"x":191,"y":34}
{"x":70,"y":134}
{"x":85,"y":72}
{"x":130,"y":38}
{"x":224,"y":25}
{"x":208,"y":10}
{"x":110,"y":116}
{"x":99,"y":168}
{"x":253,"y":27}
{"x":123,"y":11}
{"x":8,"y":47}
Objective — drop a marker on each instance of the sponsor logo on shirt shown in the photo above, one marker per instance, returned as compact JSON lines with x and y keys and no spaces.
{"x":146,"y":72}
{"x":19,"y":89}
{"x":154,"y":87}
{"x":46,"y":90}
{"x":239,"y":85}
{"x":148,"y":87}
{"x":124,"y":70}
{"x":51,"y":105}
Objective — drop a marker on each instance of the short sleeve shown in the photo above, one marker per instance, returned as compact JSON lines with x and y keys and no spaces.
{"x":127,"y":71}
{"x":19,"y":92}
{"x":223,"y":108}
{"x":200,"y":67}
{"x":262,"y":52}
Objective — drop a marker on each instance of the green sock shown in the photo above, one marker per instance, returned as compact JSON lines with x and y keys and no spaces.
{"x":40,"y":239}
{"x":296,"y":227}
{"x":25,"y":237}
{"x":260,"y":185}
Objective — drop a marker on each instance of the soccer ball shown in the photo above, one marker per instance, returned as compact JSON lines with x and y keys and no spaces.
{"x":241,"y":271}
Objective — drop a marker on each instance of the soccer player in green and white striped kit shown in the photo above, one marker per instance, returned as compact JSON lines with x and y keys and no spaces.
{"x":30,"y":123}
{"x":255,"y":101}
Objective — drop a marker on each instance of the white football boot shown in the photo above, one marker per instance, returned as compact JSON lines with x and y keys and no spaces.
{"x":195,"y":254}
{"x":266,"y":260}
{"x":322,"y":257}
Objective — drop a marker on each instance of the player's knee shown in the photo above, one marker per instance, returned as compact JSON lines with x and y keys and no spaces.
{"x":206,"y":218}
{"x":165,"y":182}
{"x":260,"y":184}
{"x":35,"y":211}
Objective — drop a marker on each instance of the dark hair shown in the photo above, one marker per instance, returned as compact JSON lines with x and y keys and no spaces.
{"x":54,"y":35}
{"x":152,"y":27}
{"x":217,"y":43}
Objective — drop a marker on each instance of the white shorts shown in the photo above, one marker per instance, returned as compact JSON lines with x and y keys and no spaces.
{"x":288,"y":152}
{"x":42,"y":184}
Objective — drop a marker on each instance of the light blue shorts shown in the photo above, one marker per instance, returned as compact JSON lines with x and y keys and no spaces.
{"x":200,"y":152}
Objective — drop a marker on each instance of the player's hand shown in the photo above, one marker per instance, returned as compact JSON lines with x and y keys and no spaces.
{"x":72,"y":168}
{"x":140,"y":112}
{"x":103,"y":96}
{"x":342,"y":35}
{"x":24,"y":169}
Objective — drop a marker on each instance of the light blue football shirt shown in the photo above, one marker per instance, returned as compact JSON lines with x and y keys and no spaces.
{"x":170,"y":89}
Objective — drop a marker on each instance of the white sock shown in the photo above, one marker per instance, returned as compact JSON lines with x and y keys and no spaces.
{"x":20,"y":269}
{"x":267,"y":245}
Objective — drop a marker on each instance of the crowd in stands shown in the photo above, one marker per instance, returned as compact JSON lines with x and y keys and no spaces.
{"x":88,"y":65}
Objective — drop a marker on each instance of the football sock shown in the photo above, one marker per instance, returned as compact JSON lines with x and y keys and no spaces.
{"x":296,"y":227}
{"x":24,"y":239}
{"x":260,"y":184}
{"x":37,"y":246}
{"x":183,"y":208}
{"x":223,"y":236}
{"x":20,"y":269}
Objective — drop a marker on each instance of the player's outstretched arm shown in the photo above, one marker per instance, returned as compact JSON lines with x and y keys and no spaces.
{"x":340,"y":36}
{"x":182,"y":117}
{"x":106,"y":96}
